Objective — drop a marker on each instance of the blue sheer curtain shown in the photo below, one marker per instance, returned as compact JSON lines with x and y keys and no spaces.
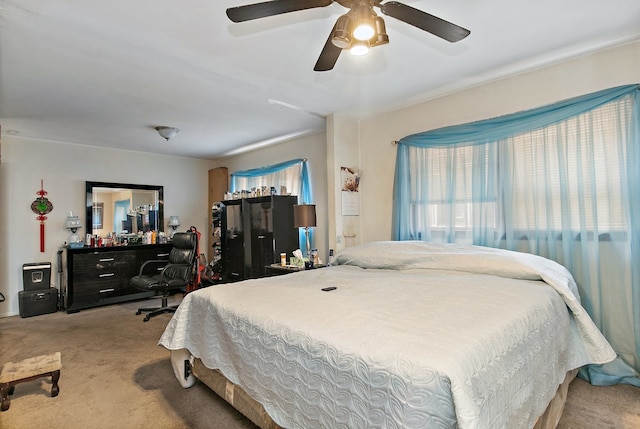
{"x":293,"y":174}
{"x":561,"y":181}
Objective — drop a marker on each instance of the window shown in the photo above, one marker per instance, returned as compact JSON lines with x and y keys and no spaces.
{"x":571,"y":173}
{"x":97,"y":216}
{"x":288,"y":177}
{"x":121,"y":221}
{"x":445,"y":195}
{"x":294,"y":175}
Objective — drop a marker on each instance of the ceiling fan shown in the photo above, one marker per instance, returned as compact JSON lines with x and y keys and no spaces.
{"x":357,"y":30}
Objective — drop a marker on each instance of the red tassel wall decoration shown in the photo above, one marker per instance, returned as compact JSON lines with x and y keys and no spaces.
{"x":41,"y":206}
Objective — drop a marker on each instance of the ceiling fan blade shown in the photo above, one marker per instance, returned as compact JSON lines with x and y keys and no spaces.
{"x":329,"y":55}
{"x":424,"y":21}
{"x":270,"y":8}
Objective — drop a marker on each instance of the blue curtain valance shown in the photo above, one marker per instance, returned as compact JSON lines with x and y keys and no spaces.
{"x":267,"y":169}
{"x":507,"y":126}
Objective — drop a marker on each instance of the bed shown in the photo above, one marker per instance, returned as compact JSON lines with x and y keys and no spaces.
{"x":414,"y":335}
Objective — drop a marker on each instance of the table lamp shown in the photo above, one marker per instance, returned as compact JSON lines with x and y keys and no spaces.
{"x":72,"y":223}
{"x":304,"y":216}
{"x":174,"y":223}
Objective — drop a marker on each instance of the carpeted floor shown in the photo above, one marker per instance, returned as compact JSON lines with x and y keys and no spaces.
{"x":114,"y":375}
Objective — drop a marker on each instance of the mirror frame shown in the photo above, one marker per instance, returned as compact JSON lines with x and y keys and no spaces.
{"x":89,"y":199}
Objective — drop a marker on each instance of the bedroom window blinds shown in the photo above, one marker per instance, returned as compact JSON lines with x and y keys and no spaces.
{"x":588,"y":190}
{"x":560,"y":181}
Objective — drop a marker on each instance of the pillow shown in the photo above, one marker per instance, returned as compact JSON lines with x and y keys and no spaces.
{"x":405,"y":255}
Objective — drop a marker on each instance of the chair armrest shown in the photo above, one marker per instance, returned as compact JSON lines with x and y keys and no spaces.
{"x":152,"y":266}
{"x":175,"y":267}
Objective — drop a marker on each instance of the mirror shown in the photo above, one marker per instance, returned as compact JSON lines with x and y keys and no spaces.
{"x":123,"y":208}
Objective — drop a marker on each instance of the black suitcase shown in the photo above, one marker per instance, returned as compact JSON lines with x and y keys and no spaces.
{"x":37,"y":302}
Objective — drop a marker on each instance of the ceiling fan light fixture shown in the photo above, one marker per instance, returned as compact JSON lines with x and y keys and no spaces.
{"x":341,"y":37}
{"x":363,"y":18}
{"x":359,"y":48}
{"x":381,"y":37}
{"x":367,"y":29}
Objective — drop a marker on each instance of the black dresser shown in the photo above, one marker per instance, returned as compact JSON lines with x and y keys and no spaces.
{"x":100,"y":275}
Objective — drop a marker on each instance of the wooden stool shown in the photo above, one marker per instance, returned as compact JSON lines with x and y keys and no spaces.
{"x":28,"y":370}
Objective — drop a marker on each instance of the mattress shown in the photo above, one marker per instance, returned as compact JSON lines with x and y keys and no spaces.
{"x":413,"y":335}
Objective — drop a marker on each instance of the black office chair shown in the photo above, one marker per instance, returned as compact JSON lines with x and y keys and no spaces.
{"x":166,"y":277}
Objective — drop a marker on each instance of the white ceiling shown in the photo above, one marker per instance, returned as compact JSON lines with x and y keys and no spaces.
{"x":104,"y":73}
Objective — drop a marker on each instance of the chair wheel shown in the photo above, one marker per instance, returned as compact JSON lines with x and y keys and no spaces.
{"x":146,"y":318}
{"x":138,"y":313}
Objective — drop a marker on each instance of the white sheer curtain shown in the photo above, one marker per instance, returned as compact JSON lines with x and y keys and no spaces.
{"x":289,"y":177}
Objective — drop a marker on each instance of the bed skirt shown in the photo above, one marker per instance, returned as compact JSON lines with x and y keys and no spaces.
{"x":551,"y":416}
{"x":234,"y":395}
{"x":254,"y":411}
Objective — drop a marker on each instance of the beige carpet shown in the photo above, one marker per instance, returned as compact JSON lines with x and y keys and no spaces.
{"x":115,"y":376}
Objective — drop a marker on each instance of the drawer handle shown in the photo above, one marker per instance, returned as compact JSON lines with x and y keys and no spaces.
{"x":107,"y":259}
{"x":261,"y":237}
{"x":106,"y":290}
{"x":107,"y":275}
{"x":163,"y":254}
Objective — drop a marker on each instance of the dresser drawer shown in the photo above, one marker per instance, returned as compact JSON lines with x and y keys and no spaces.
{"x":98,"y":289}
{"x":148,"y":254}
{"x":105,"y":264}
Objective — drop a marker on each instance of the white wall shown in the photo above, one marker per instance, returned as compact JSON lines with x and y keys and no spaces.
{"x":314,"y":148}
{"x":605,"y":69}
{"x":343,"y":150}
{"x":64,"y":169}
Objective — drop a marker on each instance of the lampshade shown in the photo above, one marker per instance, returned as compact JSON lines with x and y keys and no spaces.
{"x":174,"y":221}
{"x":359,"y":48}
{"x":381,"y":37}
{"x":363,"y":22}
{"x":72,"y":222}
{"x":304,"y":216}
{"x":341,"y":37}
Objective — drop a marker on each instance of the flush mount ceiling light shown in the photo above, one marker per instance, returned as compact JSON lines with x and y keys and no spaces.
{"x":167,"y":132}
{"x":357,"y":30}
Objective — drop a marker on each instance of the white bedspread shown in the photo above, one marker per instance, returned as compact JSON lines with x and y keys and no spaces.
{"x":416,"y":335}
